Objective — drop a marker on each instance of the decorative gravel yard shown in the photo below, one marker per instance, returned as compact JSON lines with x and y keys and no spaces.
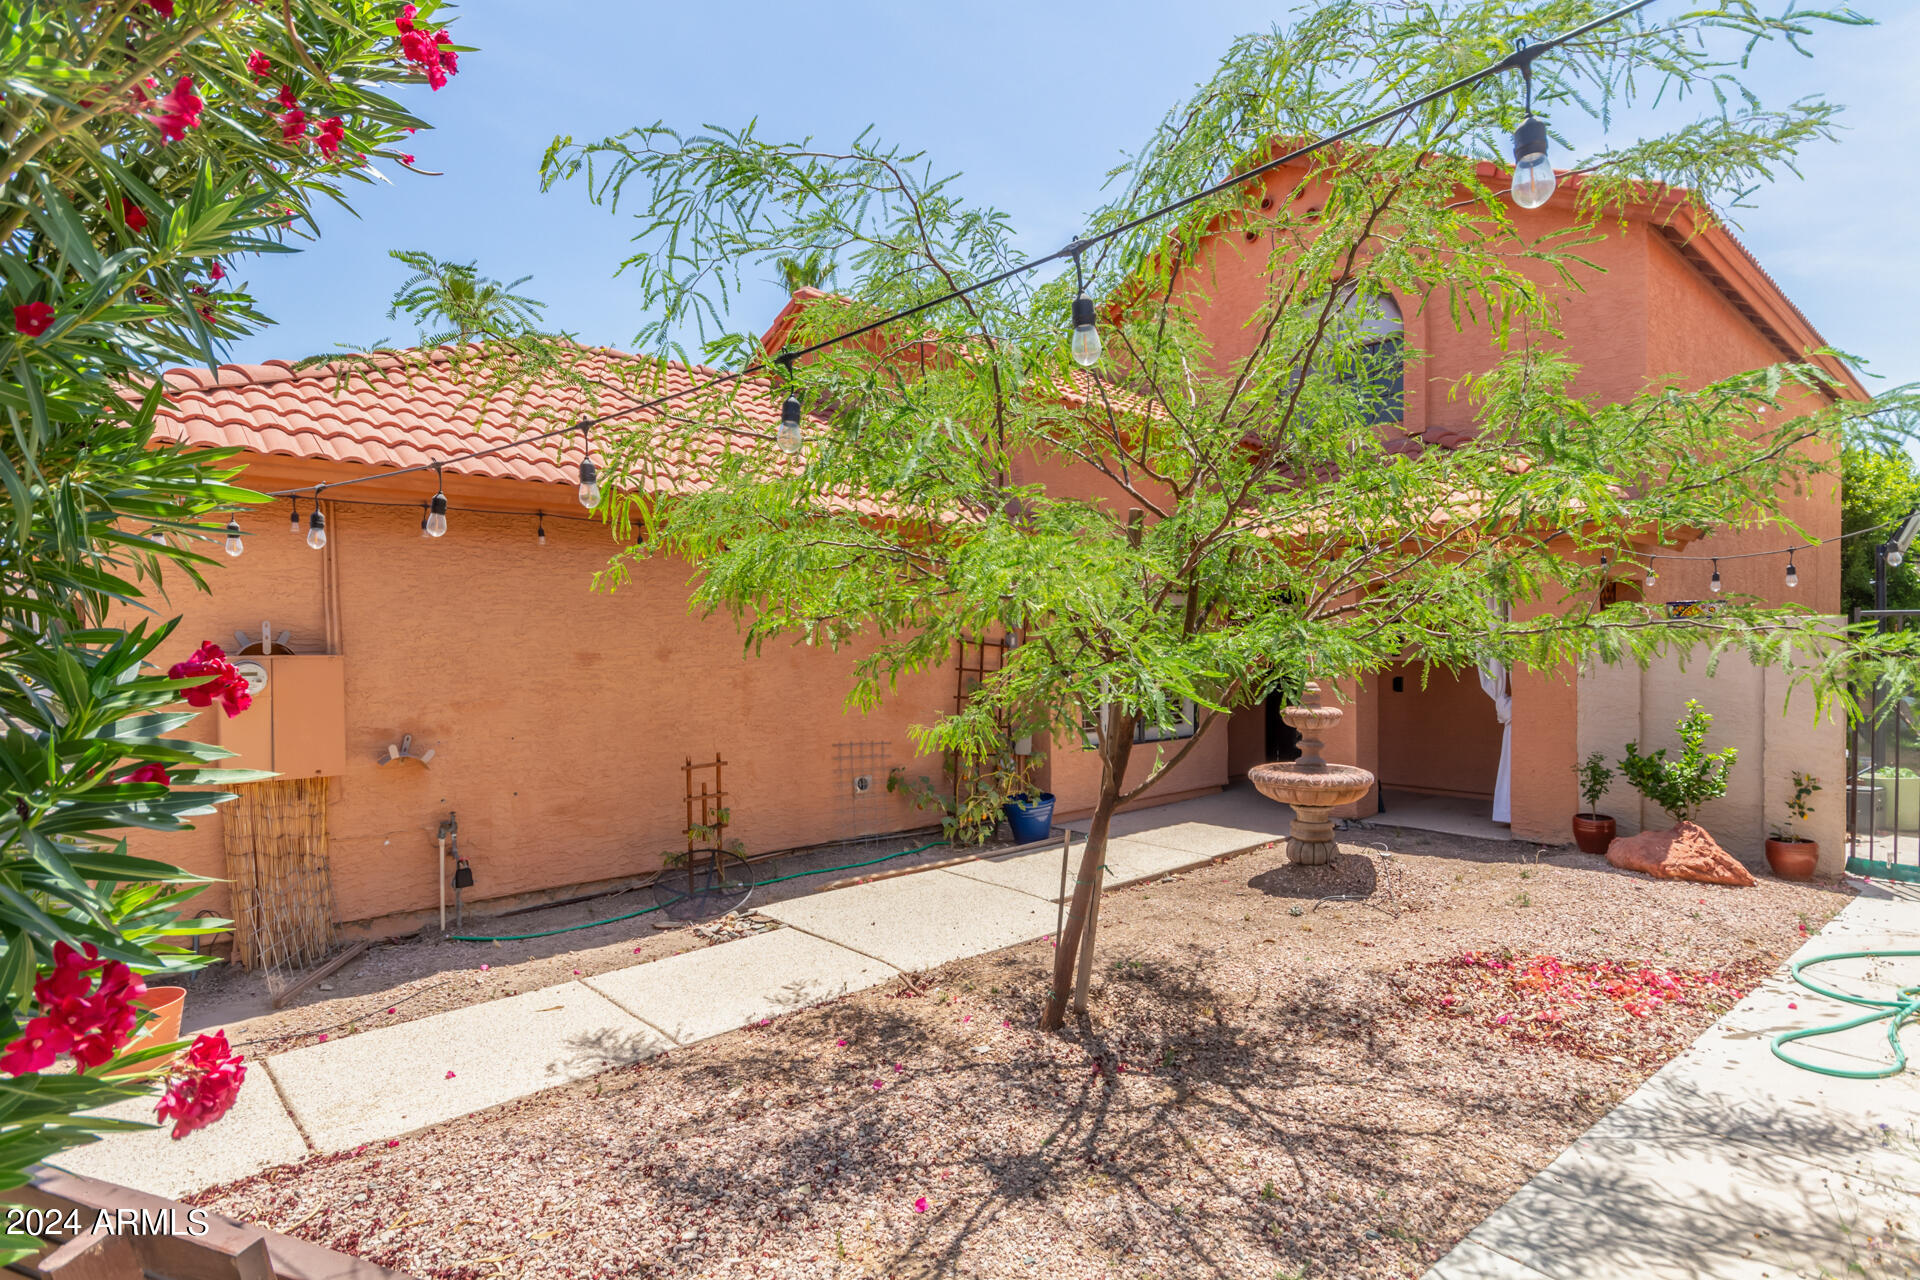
{"x":1273,"y":1086}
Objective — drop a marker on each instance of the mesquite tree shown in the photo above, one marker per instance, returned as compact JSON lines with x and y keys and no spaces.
{"x":147,"y":150}
{"x":1221,"y":506}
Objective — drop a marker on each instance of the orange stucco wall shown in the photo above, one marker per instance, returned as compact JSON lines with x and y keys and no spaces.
{"x":1441,"y":737}
{"x":560,"y":716}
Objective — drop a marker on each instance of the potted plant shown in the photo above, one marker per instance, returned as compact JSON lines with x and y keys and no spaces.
{"x":1683,"y":784}
{"x":1791,"y":855}
{"x":1593,"y":830}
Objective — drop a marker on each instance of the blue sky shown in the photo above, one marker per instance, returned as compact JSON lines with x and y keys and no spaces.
{"x":1031,"y":102}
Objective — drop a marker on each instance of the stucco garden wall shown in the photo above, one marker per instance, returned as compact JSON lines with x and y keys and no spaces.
{"x":1777,"y":736}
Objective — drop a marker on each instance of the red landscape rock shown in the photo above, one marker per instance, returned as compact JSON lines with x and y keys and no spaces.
{"x":1685,"y":852}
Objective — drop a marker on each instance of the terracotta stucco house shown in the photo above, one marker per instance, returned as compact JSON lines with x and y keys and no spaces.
{"x":561,"y":718}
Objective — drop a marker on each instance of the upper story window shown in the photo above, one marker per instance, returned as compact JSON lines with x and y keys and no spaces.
{"x":1382,"y":353}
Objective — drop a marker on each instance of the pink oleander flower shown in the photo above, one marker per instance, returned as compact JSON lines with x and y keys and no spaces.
{"x":224,"y":684}
{"x":179,"y":111}
{"x":151,"y":772}
{"x":259,"y":64}
{"x":205,"y":1087}
{"x":90,"y":1022}
{"x":33,"y":318}
{"x":332,"y":132}
{"x":920,"y":1205}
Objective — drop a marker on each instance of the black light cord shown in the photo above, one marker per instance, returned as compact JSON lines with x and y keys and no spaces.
{"x":1522,"y":56}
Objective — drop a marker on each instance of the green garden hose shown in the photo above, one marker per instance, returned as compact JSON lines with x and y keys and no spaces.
{"x":1897,"y":1011}
{"x":595,"y":924}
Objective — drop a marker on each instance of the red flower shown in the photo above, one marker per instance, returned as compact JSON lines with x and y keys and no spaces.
{"x":92,"y":1023}
{"x":206,"y":1086}
{"x":404,"y":23}
{"x":287,"y":98}
{"x":259,"y":64}
{"x":162,"y":7}
{"x":426,"y":52}
{"x":293,"y":126}
{"x":223,"y":682}
{"x":215,"y":271}
{"x":153,"y":772}
{"x":179,"y":110}
{"x":329,"y":137}
{"x":34,"y":318}
{"x":405,"y":158}
{"x":135,"y":216}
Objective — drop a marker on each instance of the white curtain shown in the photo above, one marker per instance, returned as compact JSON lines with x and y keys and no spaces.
{"x":1493,"y":679}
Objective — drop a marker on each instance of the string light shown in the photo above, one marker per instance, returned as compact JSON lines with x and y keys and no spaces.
{"x":1520,"y":58}
{"x":234,"y":545}
{"x":316,"y":529}
{"x":789,"y":437}
{"x":1713,"y":583}
{"x":293,"y":524}
{"x":1533,"y":179}
{"x":437,"y":509}
{"x":1086,"y":337}
{"x":589,"y":481}
{"x":1652,"y":577}
{"x":1793,"y":574}
{"x":423,"y":521}
{"x":541,"y":531}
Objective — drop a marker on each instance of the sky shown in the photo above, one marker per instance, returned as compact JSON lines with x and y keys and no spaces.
{"x":1032,"y":102}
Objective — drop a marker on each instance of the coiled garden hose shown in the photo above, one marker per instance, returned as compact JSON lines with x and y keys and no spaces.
{"x":1897,"y":1012}
{"x":631,"y":915}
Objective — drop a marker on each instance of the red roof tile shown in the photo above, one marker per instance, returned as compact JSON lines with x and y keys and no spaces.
{"x":419,"y":408}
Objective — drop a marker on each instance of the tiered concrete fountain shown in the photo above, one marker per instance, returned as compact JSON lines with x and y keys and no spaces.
{"x":1312,"y":786}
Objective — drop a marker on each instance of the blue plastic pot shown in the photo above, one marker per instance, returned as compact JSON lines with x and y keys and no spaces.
{"x":1030,"y":819}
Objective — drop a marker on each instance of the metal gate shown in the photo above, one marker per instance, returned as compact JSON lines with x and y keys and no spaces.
{"x":1883,"y":774}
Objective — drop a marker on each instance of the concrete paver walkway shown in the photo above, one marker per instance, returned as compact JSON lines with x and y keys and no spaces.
{"x":380,"y":1084}
{"x":1729,"y":1164}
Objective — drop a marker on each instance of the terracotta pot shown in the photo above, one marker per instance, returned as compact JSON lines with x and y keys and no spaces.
{"x":1593,"y":832}
{"x":1793,"y":859}
{"x":166,"y":1004}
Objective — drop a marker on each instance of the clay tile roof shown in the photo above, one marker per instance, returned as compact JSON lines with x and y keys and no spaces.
{"x":418,"y":408}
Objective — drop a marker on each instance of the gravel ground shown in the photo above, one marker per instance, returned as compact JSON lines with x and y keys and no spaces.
{"x":1272,"y":1085}
{"x":424,"y":974}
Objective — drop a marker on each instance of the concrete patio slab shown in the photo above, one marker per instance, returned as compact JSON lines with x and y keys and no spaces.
{"x":1206,"y":839}
{"x":380,"y":1084}
{"x":1036,"y":872}
{"x":920,"y":921}
{"x":704,"y":993}
{"x":1131,"y":859}
{"x":1477,"y":1262}
{"x":257,"y":1134}
{"x":1687,"y":1208}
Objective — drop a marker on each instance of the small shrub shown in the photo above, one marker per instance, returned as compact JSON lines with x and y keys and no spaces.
{"x":1681,"y":785}
{"x":1799,"y":809}
{"x":1595,"y":777}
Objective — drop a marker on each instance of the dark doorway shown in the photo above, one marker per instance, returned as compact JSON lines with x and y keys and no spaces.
{"x":1283,"y":740}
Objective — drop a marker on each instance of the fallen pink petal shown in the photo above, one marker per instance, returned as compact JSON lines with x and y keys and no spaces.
{"x":920,"y":1205}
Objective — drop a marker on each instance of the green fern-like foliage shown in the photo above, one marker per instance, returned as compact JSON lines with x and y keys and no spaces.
{"x":1683,"y":784}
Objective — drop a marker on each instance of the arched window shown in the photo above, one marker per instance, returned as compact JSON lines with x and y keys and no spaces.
{"x":1382,"y":352}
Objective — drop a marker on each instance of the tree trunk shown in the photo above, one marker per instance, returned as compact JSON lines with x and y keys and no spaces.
{"x":1085,"y":908}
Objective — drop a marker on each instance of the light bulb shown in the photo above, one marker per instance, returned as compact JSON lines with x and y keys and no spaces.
{"x":542,"y":533}
{"x":1533,"y":179}
{"x":1793,"y":574}
{"x":293,"y":522}
{"x":589,"y":484}
{"x":1713,"y":583}
{"x":423,"y":521}
{"x":234,"y":545}
{"x":789,"y":436}
{"x":1894,"y":557}
{"x":1086,"y":337}
{"x":316,"y":530}
{"x":437,"y":516}
{"x":1652,"y":577}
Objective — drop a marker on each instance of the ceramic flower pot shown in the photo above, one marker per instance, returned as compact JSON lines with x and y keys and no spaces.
{"x":1793,"y":859}
{"x":1593,"y":832}
{"x":1029,"y":819}
{"x":166,"y":1004}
